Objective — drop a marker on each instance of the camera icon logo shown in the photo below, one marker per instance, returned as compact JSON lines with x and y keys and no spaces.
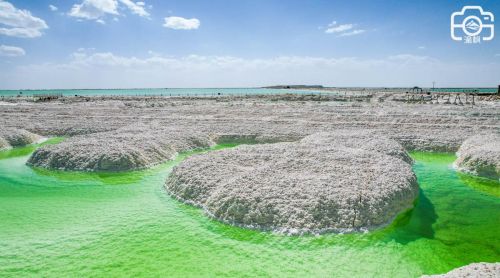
{"x":472,"y":24}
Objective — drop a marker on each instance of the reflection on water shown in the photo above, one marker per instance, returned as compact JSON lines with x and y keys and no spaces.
{"x":124,"y":224}
{"x":23,"y":151}
{"x":68,"y":177}
{"x":417,"y":222}
{"x":488,"y":186}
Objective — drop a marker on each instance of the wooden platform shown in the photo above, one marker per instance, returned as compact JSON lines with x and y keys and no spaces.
{"x":46,"y":97}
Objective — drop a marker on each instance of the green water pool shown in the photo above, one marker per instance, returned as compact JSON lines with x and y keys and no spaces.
{"x":56,"y":224}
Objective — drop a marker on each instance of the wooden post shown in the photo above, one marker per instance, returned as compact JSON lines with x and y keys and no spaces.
{"x":448,"y":99}
{"x":435,"y":98}
{"x":457,"y":97}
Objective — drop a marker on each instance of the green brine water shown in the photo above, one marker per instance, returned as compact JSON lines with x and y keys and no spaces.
{"x":60,"y":224}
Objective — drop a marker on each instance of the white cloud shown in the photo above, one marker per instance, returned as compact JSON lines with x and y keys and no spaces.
{"x":136,"y":8}
{"x":20,"y":32}
{"x":340,"y":28}
{"x":352,"y":33}
{"x":422,"y":47}
{"x":97,"y":9}
{"x":412,"y":58}
{"x":180,"y":23}
{"x":94,"y":9}
{"x":100,"y":21}
{"x":154,"y":53}
{"x":497,"y":55}
{"x":19,"y":23}
{"x":107,"y":70}
{"x":332,"y":24}
{"x":53,"y":8}
{"x":11,"y":51}
{"x":343,"y":30}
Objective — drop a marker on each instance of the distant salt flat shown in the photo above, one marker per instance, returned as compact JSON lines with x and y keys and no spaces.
{"x":155,"y":92}
{"x":8,"y":103}
{"x":222,"y":91}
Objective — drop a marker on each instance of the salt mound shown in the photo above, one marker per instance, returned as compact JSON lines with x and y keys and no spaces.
{"x":483,"y":270}
{"x":128,"y":148}
{"x":15,"y":137}
{"x":300,"y":187}
{"x":4,"y":144}
{"x":480,"y":155}
{"x":366,"y":140}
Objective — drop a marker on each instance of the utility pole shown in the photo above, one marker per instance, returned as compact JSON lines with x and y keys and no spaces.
{"x":433,"y":85}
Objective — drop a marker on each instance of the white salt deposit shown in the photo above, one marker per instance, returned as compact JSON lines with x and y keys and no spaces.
{"x":322,"y":183}
{"x":15,"y":137}
{"x":480,"y":155}
{"x":475,"y":270}
{"x":129,"y":148}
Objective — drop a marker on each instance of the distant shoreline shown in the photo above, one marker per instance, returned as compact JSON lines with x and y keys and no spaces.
{"x":239,"y":88}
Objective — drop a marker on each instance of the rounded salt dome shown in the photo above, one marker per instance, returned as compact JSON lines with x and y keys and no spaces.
{"x":480,"y":155}
{"x":300,"y":187}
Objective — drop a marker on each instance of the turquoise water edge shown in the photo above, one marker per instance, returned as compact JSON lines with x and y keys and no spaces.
{"x":59,"y":224}
{"x":197,"y":91}
{"x":154,"y":92}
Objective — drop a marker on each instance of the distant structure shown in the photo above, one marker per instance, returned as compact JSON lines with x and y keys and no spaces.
{"x":46,"y":97}
{"x":295,"y":87}
{"x":418,"y":95}
{"x":416,"y":90}
{"x":498,"y":92}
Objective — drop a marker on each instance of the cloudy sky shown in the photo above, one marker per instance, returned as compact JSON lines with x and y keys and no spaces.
{"x":225,"y":43}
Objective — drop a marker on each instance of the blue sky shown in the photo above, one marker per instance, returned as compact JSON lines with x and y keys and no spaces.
{"x":129,"y":43}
